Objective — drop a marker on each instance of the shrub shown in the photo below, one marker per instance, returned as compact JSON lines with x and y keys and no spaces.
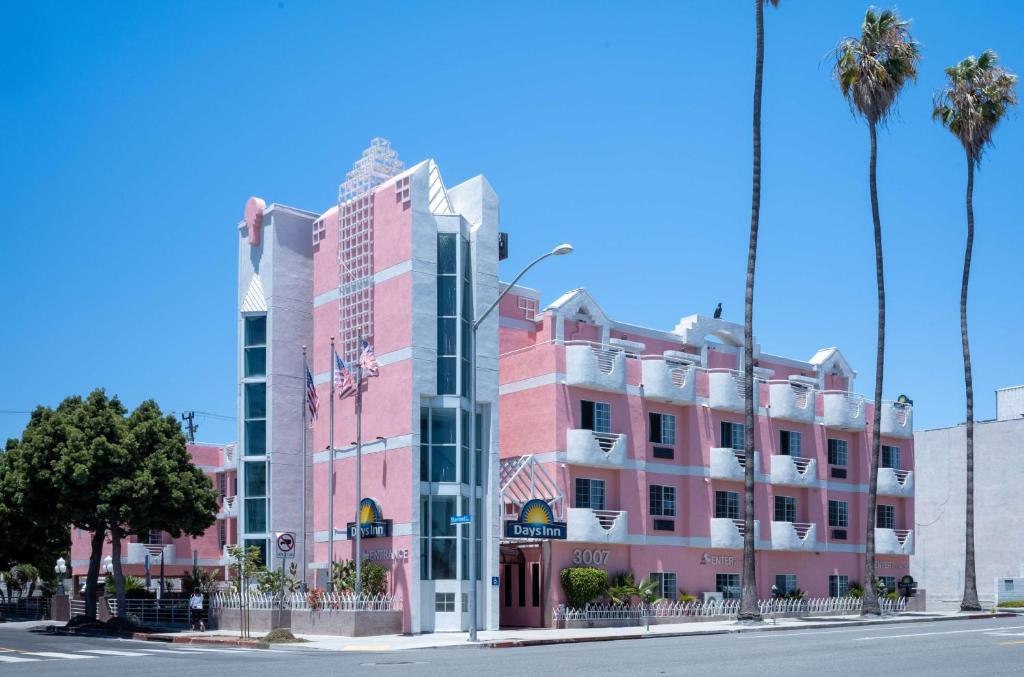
{"x":583,"y":584}
{"x":374,"y":576}
{"x":855,"y":589}
{"x":686,"y":597}
{"x":1015,"y":604}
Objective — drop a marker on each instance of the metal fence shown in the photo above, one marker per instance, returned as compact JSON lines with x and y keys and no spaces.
{"x":26,"y":609}
{"x":334,"y":601}
{"x":154,"y":612}
{"x":724,"y":609}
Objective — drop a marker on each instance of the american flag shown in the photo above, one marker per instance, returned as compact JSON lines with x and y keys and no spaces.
{"x":368,"y":361}
{"x":343,"y":381}
{"x":312,"y":401}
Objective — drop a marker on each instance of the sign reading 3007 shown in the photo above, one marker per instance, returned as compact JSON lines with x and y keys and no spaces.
{"x":536,"y":521}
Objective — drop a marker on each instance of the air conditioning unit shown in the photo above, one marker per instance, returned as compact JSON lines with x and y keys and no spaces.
{"x":713,"y":597}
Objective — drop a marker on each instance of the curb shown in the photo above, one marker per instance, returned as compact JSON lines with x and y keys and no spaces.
{"x":218,"y":641}
{"x":516,"y":643}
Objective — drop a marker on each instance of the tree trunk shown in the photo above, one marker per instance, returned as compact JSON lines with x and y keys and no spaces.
{"x":749,"y":610}
{"x":970,"y":601}
{"x":116,"y":536}
{"x":871,"y":606}
{"x":92,"y":576}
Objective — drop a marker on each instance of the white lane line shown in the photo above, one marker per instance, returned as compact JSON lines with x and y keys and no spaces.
{"x":15,"y":659}
{"x":56,"y":654}
{"x":111,"y":652}
{"x":925,"y":634}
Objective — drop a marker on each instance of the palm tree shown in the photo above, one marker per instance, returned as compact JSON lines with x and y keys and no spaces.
{"x":871,"y":71}
{"x":975,"y":98}
{"x":749,"y":610}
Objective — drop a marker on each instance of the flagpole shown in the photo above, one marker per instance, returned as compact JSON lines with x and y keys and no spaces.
{"x":359,"y":470}
{"x":330,"y":484}
{"x":305,"y":406}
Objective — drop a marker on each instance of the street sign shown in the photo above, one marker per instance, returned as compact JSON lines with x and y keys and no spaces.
{"x":286,"y":544}
{"x":460,"y":519}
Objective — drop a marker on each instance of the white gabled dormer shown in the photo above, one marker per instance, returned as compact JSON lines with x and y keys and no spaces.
{"x":578,"y":305}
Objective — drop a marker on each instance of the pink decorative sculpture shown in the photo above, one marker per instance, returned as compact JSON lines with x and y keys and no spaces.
{"x":254,"y":207}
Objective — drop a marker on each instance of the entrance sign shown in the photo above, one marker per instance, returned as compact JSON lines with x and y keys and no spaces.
{"x":371,"y":525}
{"x":286,"y":544}
{"x":536,"y":521}
{"x":460,"y":519}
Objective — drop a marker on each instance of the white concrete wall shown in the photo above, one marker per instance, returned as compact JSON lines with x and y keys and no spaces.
{"x":938,"y":561}
{"x":1010,"y":403}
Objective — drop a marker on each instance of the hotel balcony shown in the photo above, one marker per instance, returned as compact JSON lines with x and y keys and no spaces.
{"x":669,"y":379}
{"x":897,"y":419}
{"x":589,"y":365}
{"x":843,"y":410}
{"x":894,"y":541}
{"x":792,"y":400}
{"x":228,"y":507}
{"x":729,"y":464}
{"x":725,"y":390}
{"x":793,"y":536}
{"x":892,"y":482}
{"x":728,"y":533}
{"x":135,"y":553}
{"x":597,"y":526}
{"x":586,"y":447}
{"x":794,"y":471}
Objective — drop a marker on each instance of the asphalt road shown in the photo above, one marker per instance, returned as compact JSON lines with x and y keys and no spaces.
{"x":936,"y":649}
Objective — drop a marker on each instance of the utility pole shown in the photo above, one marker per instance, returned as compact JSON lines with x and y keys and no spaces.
{"x":190,"y":425}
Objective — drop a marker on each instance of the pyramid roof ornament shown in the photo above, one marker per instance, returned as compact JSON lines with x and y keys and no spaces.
{"x":377,"y":164}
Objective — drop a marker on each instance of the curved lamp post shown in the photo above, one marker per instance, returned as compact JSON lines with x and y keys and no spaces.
{"x":474,"y":569}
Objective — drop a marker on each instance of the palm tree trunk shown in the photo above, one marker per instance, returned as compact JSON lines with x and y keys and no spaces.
{"x":871,"y":606}
{"x":970,"y":601}
{"x":116,"y":536}
{"x":749,"y":610}
{"x":93,"y":574}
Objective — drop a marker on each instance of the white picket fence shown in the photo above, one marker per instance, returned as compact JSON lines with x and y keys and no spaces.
{"x":724,"y":609}
{"x":334,"y":601}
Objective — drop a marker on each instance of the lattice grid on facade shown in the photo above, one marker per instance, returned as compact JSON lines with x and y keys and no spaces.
{"x":378,"y":163}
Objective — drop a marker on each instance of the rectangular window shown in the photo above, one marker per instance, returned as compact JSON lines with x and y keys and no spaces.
{"x":255,"y":477}
{"x":535,"y":584}
{"x":222,"y":484}
{"x":662,"y":428}
{"x":785,"y":509}
{"x":255,"y":345}
{"x":890,"y":457}
{"x":838,"y":586}
{"x":837,"y":452}
{"x":732,"y":435}
{"x":255,"y":515}
{"x":662,"y":500}
{"x":727,"y":505}
{"x":889,"y":582}
{"x":666,"y":585}
{"x":596,"y":416}
{"x":838,"y":514}
{"x":255,"y":408}
{"x":154,"y":537}
{"x":261,"y":545}
{"x":447,"y":313}
{"x":886,"y":518}
{"x":589,"y":494}
{"x":728,"y":585}
{"x":790,"y":443}
{"x":222,"y":534}
{"x":667,"y":453}
{"x":785,"y":583}
{"x":444,"y":602}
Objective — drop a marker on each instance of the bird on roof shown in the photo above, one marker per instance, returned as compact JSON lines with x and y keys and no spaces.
{"x":718,"y":311}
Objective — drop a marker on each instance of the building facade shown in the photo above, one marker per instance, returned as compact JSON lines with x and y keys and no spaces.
{"x":178,"y":555}
{"x":938,"y":563}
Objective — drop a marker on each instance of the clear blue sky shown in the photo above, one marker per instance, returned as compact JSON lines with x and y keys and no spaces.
{"x":132,"y":134}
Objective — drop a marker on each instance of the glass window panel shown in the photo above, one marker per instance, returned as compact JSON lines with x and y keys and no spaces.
{"x":255,"y":400}
{"x":441,"y":510}
{"x":446,"y":296}
{"x":255,"y":438}
{"x":255,"y":361}
{"x":602,"y":417}
{"x":255,"y":479}
{"x":443,"y":558}
{"x":442,"y":426}
{"x":446,"y":253}
{"x":446,"y":376}
{"x":837,"y":452}
{"x":255,"y":515}
{"x":261,"y":545}
{"x":256,"y":330}
{"x":425,"y":444}
{"x":442,"y":463}
{"x":445,"y":336}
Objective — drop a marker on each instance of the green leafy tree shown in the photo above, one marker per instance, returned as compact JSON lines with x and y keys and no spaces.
{"x":976,"y":97}
{"x":749,"y":610}
{"x":31,"y":530}
{"x":871,"y":71}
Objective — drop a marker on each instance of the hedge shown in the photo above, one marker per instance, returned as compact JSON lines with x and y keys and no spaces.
{"x":583,"y":584}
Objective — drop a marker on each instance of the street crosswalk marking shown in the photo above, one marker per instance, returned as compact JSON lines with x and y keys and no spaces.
{"x":925,"y":634}
{"x":21,"y":656}
{"x":55,"y":654}
{"x":111,"y":652}
{"x":16,"y":659}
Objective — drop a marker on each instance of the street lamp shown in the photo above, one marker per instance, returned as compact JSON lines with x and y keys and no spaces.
{"x":60,"y":569}
{"x":560,"y":250}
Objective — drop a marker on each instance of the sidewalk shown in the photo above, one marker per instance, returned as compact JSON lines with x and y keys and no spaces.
{"x":539,"y":637}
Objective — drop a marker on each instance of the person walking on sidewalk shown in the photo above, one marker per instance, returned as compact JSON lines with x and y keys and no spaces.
{"x":195,"y":611}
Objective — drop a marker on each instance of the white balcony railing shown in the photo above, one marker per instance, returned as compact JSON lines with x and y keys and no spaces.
{"x":135,"y":553}
{"x":670,"y":380}
{"x":728,"y":533}
{"x":228,"y":507}
{"x":794,"y":471}
{"x":730,"y":464}
{"x":793,"y":536}
{"x":792,"y":401}
{"x":897,"y":419}
{"x":597,"y":526}
{"x":892,"y":482}
{"x":586,"y":447}
{"x":843,"y":410}
{"x":894,"y":541}
{"x":725,"y":390}
{"x":590,"y":365}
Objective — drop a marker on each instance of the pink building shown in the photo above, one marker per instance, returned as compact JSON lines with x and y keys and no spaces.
{"x":178,"y":555}
{"x":625,"y":434}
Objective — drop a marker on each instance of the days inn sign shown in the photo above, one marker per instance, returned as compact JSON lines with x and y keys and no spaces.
{"x":536,"y":521}
{"x":370,"y":523}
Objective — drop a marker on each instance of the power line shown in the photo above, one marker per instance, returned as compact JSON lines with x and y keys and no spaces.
{"x":13,"y":411}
